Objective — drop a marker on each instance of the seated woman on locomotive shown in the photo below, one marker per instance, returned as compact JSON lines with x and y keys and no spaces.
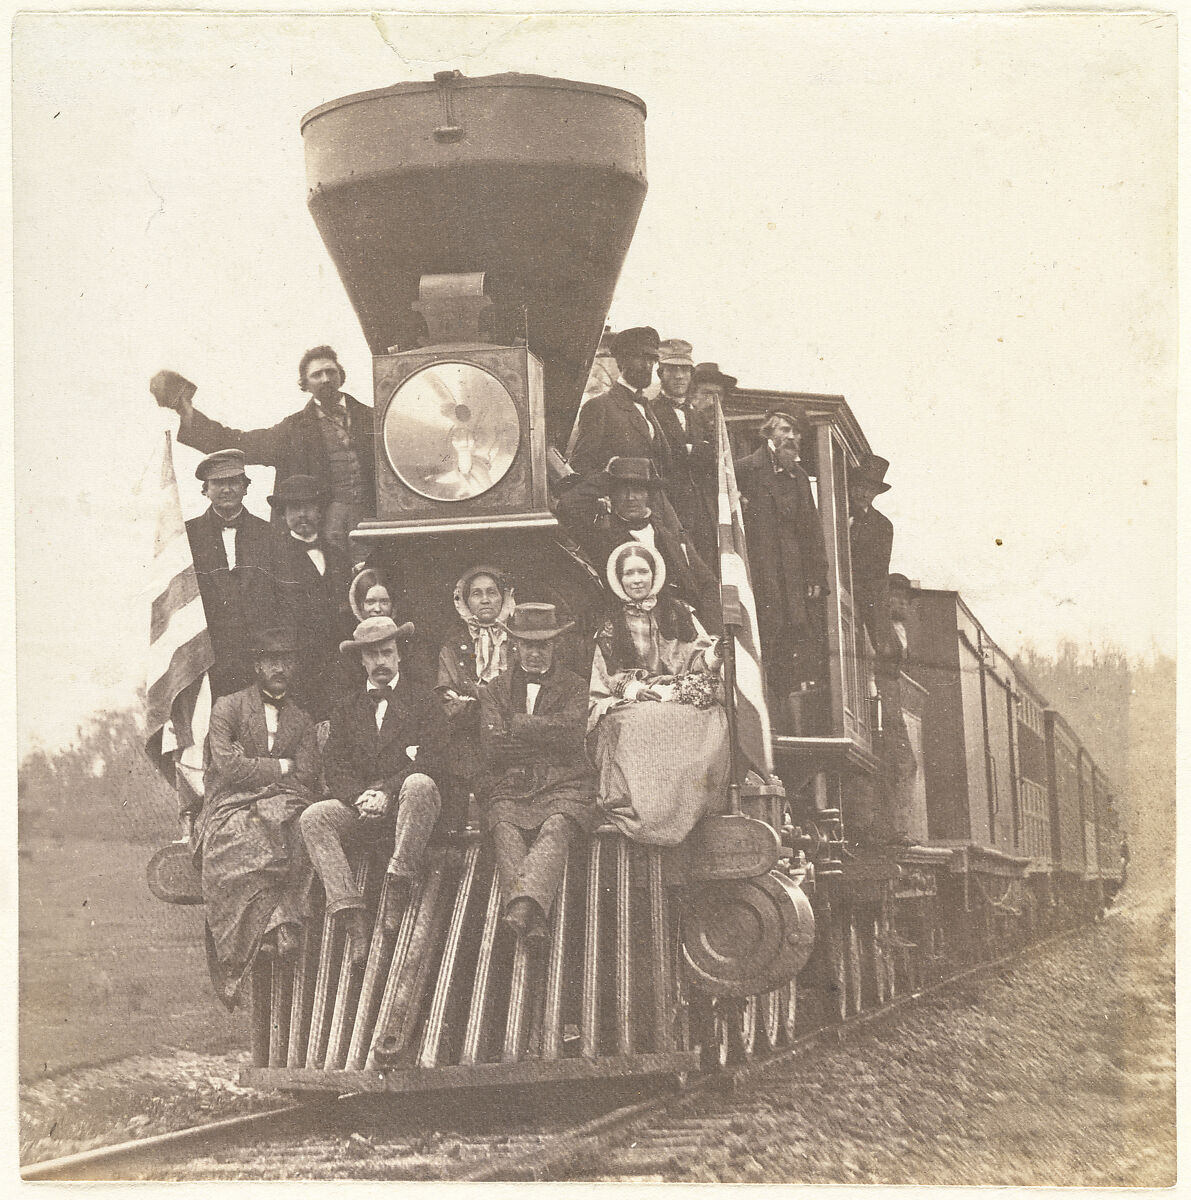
{"x":657,"y":730}
{"x":483,"y":598}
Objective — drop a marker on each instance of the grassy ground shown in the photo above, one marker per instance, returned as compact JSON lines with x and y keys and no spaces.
{"x":107,"y":970}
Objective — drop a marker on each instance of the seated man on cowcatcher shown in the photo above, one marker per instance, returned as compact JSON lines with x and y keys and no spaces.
{"x":537,"y":788}
{"x":385,"y":752}
{"x":262,"y":771}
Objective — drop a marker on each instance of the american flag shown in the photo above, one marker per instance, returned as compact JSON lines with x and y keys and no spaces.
{"x":178,"y":694}
{"x":739,"y":606}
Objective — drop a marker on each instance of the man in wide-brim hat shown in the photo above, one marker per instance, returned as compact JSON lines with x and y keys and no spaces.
{"x":233,"y":559}
{"x":619,"y":422}
{"x":262,"y":772}
{"x":313,"y":577}
{"x":383,"y":761}
{"x":623,"y":503}
{"x":537,"y":788}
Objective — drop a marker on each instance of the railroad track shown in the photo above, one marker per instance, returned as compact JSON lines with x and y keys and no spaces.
{"x":473,"y":1156}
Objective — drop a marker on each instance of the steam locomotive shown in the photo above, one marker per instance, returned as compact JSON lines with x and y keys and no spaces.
{"x":479,"y":227}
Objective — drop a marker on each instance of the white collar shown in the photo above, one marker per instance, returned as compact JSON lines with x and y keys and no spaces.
{"x":309,"y":543}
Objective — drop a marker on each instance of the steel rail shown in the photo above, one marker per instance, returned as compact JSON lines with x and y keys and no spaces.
{"x":69,"y":1165}
{"x":566,"y":1146}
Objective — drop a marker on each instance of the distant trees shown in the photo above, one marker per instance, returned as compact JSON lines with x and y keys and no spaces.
{"x":100,"y":787}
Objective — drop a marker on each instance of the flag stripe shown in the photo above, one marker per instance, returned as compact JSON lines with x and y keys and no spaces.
{"x":180,"y":651}
{"x":180,"y":591}
{"x":187,"y":663}
{"x":754,"y":733}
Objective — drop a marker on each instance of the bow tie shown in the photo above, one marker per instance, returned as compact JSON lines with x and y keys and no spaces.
{"x":376,"y":695}
{"x":275,"y":701}
{"x":641,"y":608}
{"x":235,"y":523}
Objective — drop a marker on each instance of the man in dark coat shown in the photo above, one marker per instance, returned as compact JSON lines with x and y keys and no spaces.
{"x":385,"y":755}
{"x":618,"y":505}
{"x":871,"y":535}
{"x":331,"y":439}
{"x":691,"y":483}
{"x":262,"y":770}
{"x":537,"y":788}
{"x":788,"y":560}
{"x":619,"y":423}
{"x":233,"y":558}
{"x":312,"y":581}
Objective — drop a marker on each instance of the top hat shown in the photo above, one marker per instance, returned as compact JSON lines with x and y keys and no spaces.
{"x":376,"y":630}
{"x":710,"y":372}
{"x":536,"y":623}
{"x":871,"y":469}
{"x":641,"y":339}
{"x":632,"y":470}
{"x":223,"y":464}
{"x":279,"y":640}
{"x":297,"y":488}
{"x":674,"y":352}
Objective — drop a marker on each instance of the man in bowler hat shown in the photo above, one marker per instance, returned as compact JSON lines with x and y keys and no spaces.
{"x":789,"y":565}
{"x":312,"y":577}
{"x":383,"y":761}
{"x":621,"y":504}
{"x":537,"y":788}
{"x":262,"y":771}
{"x":233,"y":559}
{"x":709,"y":384}
{"x":331,"y":439}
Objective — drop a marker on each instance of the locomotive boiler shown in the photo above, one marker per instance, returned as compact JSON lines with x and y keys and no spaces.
{"x":479,"y":226}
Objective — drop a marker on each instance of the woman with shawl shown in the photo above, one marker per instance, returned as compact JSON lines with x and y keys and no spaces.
{"x":484,"y":600}
{"x":657,"y":730}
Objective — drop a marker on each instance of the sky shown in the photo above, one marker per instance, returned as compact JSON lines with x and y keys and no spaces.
{"x":965,"y":225}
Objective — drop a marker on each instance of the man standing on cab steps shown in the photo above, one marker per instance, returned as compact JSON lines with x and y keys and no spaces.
{"x":330,"y":439}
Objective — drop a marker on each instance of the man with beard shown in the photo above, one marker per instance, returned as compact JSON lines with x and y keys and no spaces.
{"x":232,"y":552}
{"x":312,"y":577}
{"x":330,"y":439}
{"x":788,"y":558}
{"x":621,"y":504}
{"x":691,"y":484}
{"x":383,"y":760}
{"x":262,"y":771}
{"x":619,"y":422}
{"x":537,"y":788}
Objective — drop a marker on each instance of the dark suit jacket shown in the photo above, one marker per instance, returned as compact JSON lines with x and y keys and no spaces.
{"x":237,"y":602}
{"x":611,"y":425}
{"x":535,"y":764}
{"x":871,"y":535}
{"x":358,"y":756}
{"x":691,"y":484}
{"x":785,"y":539}
{"x":315,"y":607}
{"x":238,"y":756}
{"x":687,"y":576}
{"x":294,"y":445}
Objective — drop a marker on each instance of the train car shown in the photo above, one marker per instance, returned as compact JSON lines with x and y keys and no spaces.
{"x":1034,"y":839}
{"x":1064,"y":753}
{"x":970,"y":765}
{"x":1108,"y":834}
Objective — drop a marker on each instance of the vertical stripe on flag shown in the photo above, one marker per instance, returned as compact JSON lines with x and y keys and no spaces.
{"x":740,"y":611}
{"x":180,"y":652}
